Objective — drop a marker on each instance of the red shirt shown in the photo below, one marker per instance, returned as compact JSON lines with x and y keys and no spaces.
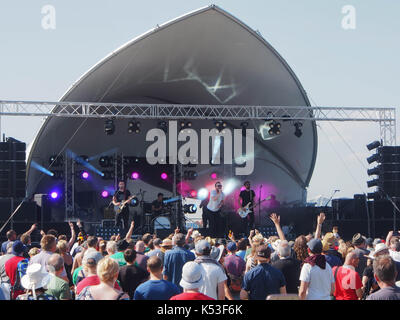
{"x":191,"y":296}
{"x":11,"y":271}
{"x":91,"y":281}
{"x":347,"y":282}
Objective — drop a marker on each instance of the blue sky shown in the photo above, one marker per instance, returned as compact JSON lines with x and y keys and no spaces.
{"x":336,"y":67}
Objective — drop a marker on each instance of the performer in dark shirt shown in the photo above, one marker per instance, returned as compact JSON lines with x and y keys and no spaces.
{"x":247,"y":196}
{"x":121,"y":195}
{"x":157,"y":206}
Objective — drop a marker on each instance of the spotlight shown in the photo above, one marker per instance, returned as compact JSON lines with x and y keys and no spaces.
{"x":135,"y":175}
{"x":183,"y":125}
{"x":373,"y":145}
{"x":373,"y":158}
{"x":214,"y":176}
{"x":202,"y":194}
{"x":220,"y":125}
{"x":108,"y":175}
{"x":134,"y":202}
{"x":193,"y":193}
{"x":134,"y":127}
{"x":163,"y":126}
{"x":105,"y":194}
{"x":54,"y":195}
{"x":298,"y":133}
{"x":190,"y":175}
{"x":84,"y":175}
{"x":189,"y":208}
{"x":106,"y":162}
{"x":164,"y":176}
{"x":109,"y":127}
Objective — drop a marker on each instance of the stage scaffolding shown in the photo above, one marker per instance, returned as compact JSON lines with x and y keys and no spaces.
{"x":386,"y":117}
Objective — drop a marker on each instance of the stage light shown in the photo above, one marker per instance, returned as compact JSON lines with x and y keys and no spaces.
{"x":58,"y":174}
{"x":202,"y":194}
{"x":243,"y":188}
{"x":220,"y":125}
{"x":108,"y":175}
{"x":134,"y":202}
{"x":373,"y":145}
{"x":269,"y":129}
{"x":298,"y":133}
{"x":193,"y":193}
{"x":105,"y":194}
{"x":183,"y":125}
{"x":55,"y":161}
{"x":106,"y":161}
{"x":373,"y":158}
{"x":163,"y":126}
{"x":109,"y":127}
{"x":85,"y":175}
{"x":189,"y":208}
{"x":214,"y":176}
{"x":373,"y":171}
{"x":82,"y":159}
{"x":134,"y":127}
{"x":230,"y":185}
{"x":372,"y":183}
{"x":190,"y":175}
{"x":164,"y":176}
{"x":135,"y":175}
{"x":54,"y":195}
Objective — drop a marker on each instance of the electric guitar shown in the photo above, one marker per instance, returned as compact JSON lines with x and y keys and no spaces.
{"x":244,"y":211}
{"x":122,"y":205}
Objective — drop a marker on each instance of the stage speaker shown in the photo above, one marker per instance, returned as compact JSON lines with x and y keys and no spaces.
{"x":343,"y":208}
{"x":6,"y":208}
{"x":383,"y":209}
{"x":27,"y":212}
{"x":360,"y":208}
{"x":43,"y":207}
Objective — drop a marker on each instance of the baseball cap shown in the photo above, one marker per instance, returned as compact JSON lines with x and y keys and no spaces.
{"x":202,"y":246}
{"x":91,"y":257}
{"x":315,"y":245}
{"x":369,"y":241}
{"x":231,"y":246}
{"x":264,"y":251}
{"x":18,"y":247}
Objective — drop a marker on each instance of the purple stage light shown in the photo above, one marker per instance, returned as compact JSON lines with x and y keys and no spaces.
{"x":105,"y":194}
{"x":54,"y":195}
{"x":135,"y":175}
{"x":85,"y":175}
{"x":214,"y":176}
{"x":164,"y":176}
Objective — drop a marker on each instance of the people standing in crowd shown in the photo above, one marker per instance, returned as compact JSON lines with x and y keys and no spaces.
{"x":57,"y":287}
{"x":328,"y":250}
{"x":242,"y":247}
{"x":157,"y":251}
{"x":263,"y":280}
{"x":3,"y":259}
{"x":385,"y":273}
{"x":175,"y":259}
{"x":358,"y":242}
{"x":141,"y":258}
{"x":192,"y":280}
{"x":316,"y":278}
{"x":214,"y":273}
{"x":348,"y":285}
{"x":156,"y":288}
{"x":131,"y":276}
{"x":35,"y":281}
{"x":11,"y":237}
{"x":300,"y":248}
{"x":289,"y":266}
{"x":107,"y":271}
{"x":235,"y":267}
{"x":11,"y":268}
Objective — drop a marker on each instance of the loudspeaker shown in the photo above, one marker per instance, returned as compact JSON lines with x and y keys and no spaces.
{"x":360,"y":208}
{"x":28,"y":212}
{"x":383,"y":209}
{"x":43,"y":207}
{"x":343,"y":208}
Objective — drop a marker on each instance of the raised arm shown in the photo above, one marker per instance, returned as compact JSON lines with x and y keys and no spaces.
{"x":32,"y":228}
{"x":276,"y":219}
{"x":130,"y":231}
{"x":389,"y":237}
{"x":320,"y":221}
{"x":189,"y":233}
{"x":73,"y":236}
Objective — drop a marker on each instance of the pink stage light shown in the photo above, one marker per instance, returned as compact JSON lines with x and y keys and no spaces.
{"x":214,"y":176}
{"x":193,"y":193}
{"x":105,"y":194}
{"x":135,"y":175}
{"x":164,"y":176}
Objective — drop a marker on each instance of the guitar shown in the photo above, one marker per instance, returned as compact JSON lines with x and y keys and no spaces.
{"x":244,"y":211}
{"x":119,"y":208}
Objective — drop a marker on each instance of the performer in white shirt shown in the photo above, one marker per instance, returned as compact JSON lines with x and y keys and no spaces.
{"x":214,"y":208}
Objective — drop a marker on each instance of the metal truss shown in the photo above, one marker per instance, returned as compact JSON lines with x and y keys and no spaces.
{"x":386,"y":117}
{"x":69,"y":188}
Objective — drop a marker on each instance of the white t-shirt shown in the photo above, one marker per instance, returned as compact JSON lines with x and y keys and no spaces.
{"x":319,"y":281}
{"x":213,"y":205}
{"x":212,"y":275}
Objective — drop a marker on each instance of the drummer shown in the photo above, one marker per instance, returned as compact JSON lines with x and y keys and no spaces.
{"x":157,"y":206}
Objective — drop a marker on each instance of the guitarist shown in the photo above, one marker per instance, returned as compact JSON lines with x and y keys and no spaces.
{"x":247,"y":196}
{"x":121,"y":195}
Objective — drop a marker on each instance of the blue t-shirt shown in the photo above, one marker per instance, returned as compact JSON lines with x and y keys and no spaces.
{"x":241,"y":253}
{"x":4,"y":246}
{"x":333,"y":261}
{"x":156,"y":290}
{"x":262,"y":281}
{"x":174,"y":261}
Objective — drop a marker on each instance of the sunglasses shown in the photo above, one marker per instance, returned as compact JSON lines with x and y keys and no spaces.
{"x":219,"y":186}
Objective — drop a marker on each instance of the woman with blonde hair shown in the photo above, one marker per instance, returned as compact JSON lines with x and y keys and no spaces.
{"x":251,"y":261}
{"x":107,"y":271}
{"x":62,"y":250}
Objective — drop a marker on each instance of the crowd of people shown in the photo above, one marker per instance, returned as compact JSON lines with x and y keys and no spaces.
{"x":192,"y":266}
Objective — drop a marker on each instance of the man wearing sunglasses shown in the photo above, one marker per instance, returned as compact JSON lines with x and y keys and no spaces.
{"x":214,"y":206}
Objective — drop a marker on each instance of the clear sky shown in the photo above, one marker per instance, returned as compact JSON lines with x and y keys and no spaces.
{"x":337,"y":67}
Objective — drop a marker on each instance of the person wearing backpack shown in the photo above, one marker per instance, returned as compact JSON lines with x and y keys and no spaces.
{"x":12,"y":271}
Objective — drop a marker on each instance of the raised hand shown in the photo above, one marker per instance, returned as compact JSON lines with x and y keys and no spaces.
{"x":276,"y":219}
{"x":321,"y":218}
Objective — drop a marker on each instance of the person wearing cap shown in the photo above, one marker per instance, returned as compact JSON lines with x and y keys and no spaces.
{"x":359,"y":244}
{"x":11,"y":267}
{"x":166,"y":245}
{"x":235,"y":266}
{"x":385,"y":274}
{"x":370,"y":244}
{"x":90,"y":262}
{"x":348,"y":285}
{"x":175,"y":259}
{"x":57,"y":287}
{"x":316,"y":277}
{"x":35,"y":283}
{"x":328,"y":250}
{"x":264,"y":279}
{"x":192,"y":280}
{"x":213,"y":271}
{"x":157,"y":251}
{"x":156,"y":288}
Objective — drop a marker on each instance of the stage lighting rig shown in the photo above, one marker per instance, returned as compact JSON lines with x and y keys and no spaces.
{"x":134,"y":127}
{"x":298,"y":132}
{"x":109,"y":127}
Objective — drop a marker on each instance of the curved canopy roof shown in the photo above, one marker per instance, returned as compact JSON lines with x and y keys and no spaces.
{"x":204,"y":57}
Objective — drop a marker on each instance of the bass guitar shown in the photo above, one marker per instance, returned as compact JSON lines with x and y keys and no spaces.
{"x":244,"y":211}
{"x":122,"y":205}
